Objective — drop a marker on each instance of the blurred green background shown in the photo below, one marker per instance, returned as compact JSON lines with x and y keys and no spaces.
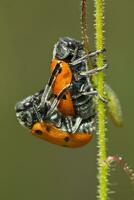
{"x":32,"y":169}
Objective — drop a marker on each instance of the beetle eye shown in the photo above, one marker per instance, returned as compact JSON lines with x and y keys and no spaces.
{"x":38,"y":132}
{"x":27,"y":104}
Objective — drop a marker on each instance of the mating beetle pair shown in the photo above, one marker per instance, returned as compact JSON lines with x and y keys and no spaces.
{"x":63,"y":112}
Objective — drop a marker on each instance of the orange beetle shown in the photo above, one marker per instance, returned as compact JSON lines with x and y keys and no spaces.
{"x":54,"y":135}
{"x":63,"y":79}
{"x":52,"y":128}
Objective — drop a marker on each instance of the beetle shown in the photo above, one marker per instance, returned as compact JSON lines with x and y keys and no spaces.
{"x":71,"y":78}
{"x":53,"y":128}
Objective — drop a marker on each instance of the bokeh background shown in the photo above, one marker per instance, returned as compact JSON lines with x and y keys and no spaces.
{"x":32,"y":169}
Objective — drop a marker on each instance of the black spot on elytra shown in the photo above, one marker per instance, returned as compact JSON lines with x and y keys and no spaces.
{"x":48,"y":129}
{"x":38,"y":132}
{"x":64,"y":97}
{"x":60,"y":70}
{"x":66,"y":139}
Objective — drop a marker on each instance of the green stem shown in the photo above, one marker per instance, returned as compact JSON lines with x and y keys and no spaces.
{"x":102,"y":167}
{"x":98,"y":82}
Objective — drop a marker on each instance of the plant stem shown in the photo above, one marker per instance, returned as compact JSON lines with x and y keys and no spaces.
{"x":98,"y":81}
{"x":102,"y":167}
{"x":84,"y":31}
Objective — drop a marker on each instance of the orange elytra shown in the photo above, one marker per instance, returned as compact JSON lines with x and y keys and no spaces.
{"x":54,"y":135}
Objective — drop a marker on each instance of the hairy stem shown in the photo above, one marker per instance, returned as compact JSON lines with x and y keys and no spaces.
{"x":98,"y":81}
{"x":102,"y":155}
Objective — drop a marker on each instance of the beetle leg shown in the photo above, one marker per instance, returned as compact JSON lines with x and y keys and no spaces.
{"x":85,"y":57}
{"x":77,"y":124}
{"x":58,"y":98}
{"x":72,"y":127}
{"x":94,"y":92}
{"x":48,"y":87}
{"x":68,"y":124}
{"x":94,"y":71}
